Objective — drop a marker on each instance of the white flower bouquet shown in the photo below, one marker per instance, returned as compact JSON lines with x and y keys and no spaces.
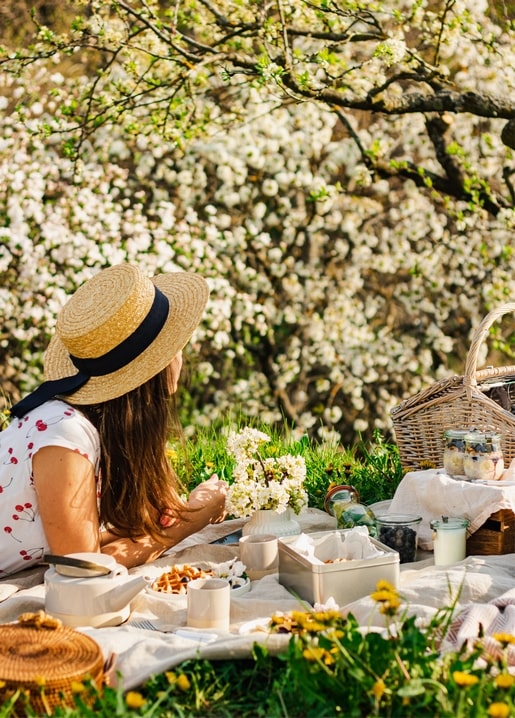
{"x":275,"y":483}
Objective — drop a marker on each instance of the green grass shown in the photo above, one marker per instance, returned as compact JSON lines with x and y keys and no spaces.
{"x":372,"y":467}
{"x":331,"y":668}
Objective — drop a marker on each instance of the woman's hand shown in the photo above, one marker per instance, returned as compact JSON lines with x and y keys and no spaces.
{"x":208,"y":498}
{"x":207,"y":501}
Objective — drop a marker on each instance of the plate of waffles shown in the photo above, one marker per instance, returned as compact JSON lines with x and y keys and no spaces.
{"x":172,"y":581}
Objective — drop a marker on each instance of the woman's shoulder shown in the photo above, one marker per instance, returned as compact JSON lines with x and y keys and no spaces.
{"x":52,"y":413}
{"x":57,"y":423}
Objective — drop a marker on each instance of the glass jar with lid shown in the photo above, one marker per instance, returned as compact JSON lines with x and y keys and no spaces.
{"x":454,"y":451}
{"x":343,"y":503}
{"x":483,"y":456}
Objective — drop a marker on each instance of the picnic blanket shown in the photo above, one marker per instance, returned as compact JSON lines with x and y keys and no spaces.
{"x":486,"y":584}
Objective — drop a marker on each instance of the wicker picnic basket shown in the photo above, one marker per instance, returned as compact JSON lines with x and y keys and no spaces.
{"x":45,"y":662}
{"x":483,"y":400}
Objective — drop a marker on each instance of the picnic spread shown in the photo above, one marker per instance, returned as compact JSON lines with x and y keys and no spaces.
{"x":155,"y":637}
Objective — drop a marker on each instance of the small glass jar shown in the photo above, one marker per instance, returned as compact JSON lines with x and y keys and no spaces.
{"x":342,"y":502}
{"x":400,"y":532}
{"x":454,"y":451}
{"x":449,"y":540}
{"x":483,"y":456}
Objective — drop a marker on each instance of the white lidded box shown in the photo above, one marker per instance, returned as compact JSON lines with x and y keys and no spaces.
{"x":344,"y":581}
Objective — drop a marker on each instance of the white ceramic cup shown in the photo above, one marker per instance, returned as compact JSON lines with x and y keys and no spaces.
{"x":209,"y":604}
{"x":259,"y":553}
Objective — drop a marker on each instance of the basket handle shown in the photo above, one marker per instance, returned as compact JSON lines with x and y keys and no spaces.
{"x":479,"y":336}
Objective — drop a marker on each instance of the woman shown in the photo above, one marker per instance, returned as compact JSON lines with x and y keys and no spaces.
{"x":83,"y":461}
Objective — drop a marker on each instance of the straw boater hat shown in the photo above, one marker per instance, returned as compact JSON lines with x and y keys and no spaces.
{"x":117,"y":331}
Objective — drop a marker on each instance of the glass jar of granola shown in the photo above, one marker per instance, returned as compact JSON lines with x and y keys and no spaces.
{"x":454,"y":451}
{"x":483,"y":456}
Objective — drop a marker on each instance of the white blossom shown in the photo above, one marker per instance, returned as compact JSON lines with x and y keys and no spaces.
{"x":263,"y":483}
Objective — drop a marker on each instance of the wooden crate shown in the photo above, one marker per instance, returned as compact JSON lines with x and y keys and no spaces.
{"x":495,"y":536}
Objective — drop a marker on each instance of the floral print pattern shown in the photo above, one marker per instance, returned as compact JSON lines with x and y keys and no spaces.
{"x":22,"y":538}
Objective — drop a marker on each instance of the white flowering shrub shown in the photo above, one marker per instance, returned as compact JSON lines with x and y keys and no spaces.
{"x":337,"y":288}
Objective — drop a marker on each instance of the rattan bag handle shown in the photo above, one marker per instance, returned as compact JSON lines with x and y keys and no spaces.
{"x":479,"y":336}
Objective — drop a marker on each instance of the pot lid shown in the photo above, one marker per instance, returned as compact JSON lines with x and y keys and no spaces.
{"x":81,"y":565}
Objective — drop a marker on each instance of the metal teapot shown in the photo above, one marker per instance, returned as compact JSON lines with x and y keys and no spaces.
{"x":89,"y":589}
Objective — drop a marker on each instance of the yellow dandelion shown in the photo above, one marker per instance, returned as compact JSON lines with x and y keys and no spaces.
{"x":77,"y":687}
{"x":171,"y":454}
{"x":183,"y":682}
{"x":378,"y":689}
{"x":499,"y":710}
{"x":309,"y":624}
{"x":298,"y":616}
{"x":313,"y":653}
{"x":326,"y":616}
{"x":463,"y":679}
{"x":504,"y":638}
{"x":134,"y":699}
{"x":2,"y":684}
{"x":328,"y":659}
{"x":387,"y":596}
{"x":40,"y":681}
{"x":504,"y":680}
{"x":384,"y":585}
{"x":382,"y":595}
{"x":171,"y":677}
{"x":390,"y":607}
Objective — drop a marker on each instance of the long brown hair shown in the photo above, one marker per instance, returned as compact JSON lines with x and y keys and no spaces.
{"x":137,"y":480}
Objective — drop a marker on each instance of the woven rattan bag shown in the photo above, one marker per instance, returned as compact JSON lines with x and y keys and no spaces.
{"x":44,"y":663}
{"x":483,"y":400}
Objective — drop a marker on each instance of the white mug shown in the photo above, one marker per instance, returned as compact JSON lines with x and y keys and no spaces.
{"x":259,"y":553}
{"x":209,"y":604}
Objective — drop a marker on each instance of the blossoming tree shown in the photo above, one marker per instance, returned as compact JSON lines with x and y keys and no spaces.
{"x":341,"y":173}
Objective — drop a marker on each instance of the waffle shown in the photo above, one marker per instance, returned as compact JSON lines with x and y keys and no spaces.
{"x":177,"y":578}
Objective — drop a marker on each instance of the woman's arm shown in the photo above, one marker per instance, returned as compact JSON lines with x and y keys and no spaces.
{"x":65,"y":484}
{"x":208,"y":500}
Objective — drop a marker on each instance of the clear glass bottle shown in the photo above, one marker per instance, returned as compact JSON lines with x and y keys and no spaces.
{"x":343,"y":503}
{"x":483,"y":456}
{"x":454,"y":451}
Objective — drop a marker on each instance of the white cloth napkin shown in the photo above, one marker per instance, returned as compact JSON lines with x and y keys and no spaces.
{"x":354,"y":545}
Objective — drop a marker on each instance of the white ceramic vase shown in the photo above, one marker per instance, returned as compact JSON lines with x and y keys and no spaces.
{"x":268,"y":521}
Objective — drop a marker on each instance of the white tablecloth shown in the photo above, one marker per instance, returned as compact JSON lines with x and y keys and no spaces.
{"x":432,"y":494}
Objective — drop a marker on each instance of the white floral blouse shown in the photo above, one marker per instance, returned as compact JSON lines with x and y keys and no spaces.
{"x":55,"y":423}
